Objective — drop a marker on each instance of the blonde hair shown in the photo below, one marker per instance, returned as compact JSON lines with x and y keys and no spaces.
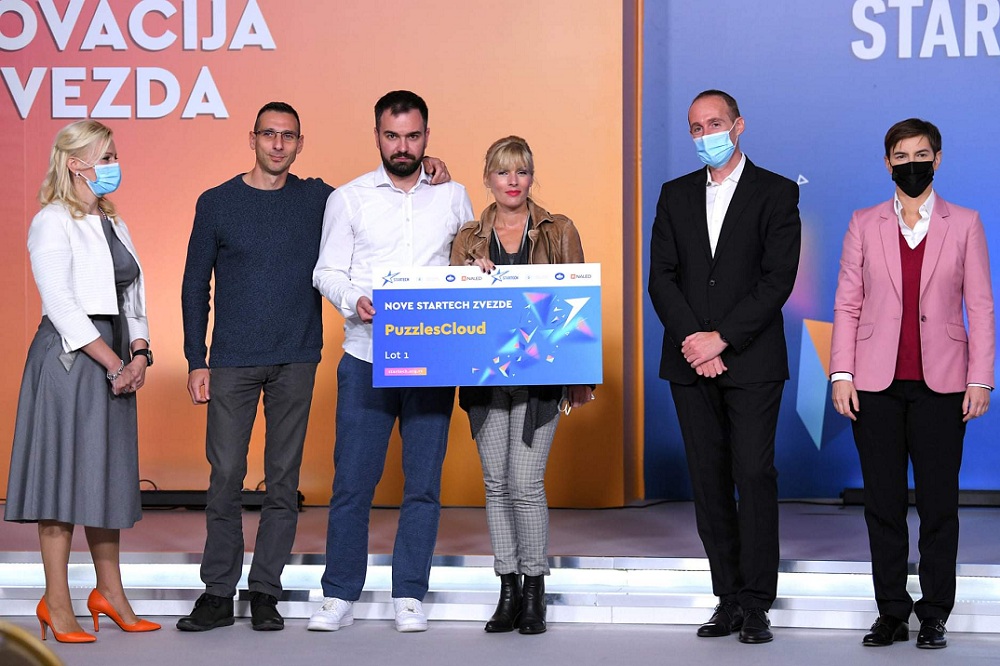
{"x":508,"y":154}
{"x":85,"y":140}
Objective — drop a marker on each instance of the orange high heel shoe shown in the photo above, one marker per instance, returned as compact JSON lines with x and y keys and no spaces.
{"x":45,"y":620}
{"x":96,"y":604}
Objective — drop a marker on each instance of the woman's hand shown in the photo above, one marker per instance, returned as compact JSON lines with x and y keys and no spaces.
{"x":975,"y":403}
{"x":484,"y":263}
{"x":579,"y":395}
{"x":133,"y":377}
{"x":845,"y":399}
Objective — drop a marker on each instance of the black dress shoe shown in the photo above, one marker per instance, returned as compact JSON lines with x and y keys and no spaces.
{"x":210,"y":611}
{"x":727,"y":618}
{"x":756,"y":627}
{"x":932,"y":634}
{"x":264,"y":615}
{"x":886,"y":631}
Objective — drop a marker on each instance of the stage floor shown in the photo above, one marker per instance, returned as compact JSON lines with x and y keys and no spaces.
{"x":627,"y":566}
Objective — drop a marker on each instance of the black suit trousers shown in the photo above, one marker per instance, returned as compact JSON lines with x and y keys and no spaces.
{"x":729,"y":432}
{"x":908,"y":422}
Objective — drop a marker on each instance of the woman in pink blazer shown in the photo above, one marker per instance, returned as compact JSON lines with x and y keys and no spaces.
{"x":910,"y":376}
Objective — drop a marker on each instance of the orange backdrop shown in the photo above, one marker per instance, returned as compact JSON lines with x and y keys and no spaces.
{"x":549,"y":71}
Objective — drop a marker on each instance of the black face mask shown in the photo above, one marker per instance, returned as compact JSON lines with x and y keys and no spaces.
{"x":913,"y":177}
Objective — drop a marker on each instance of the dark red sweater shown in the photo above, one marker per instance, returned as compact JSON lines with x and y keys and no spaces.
{"x":908,"y":361}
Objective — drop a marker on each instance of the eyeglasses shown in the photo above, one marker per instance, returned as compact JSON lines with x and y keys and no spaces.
{"x":271,"y":135}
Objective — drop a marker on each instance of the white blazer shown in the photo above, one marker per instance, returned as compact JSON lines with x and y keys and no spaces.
{"x":72,"y":266}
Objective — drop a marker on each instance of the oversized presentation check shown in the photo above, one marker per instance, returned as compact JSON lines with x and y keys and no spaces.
{"x":516,"y":326}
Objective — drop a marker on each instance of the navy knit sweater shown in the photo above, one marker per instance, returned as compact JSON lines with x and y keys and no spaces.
{"x":262,"y":246}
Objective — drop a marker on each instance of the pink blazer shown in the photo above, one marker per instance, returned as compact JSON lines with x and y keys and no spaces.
{"x":868,"y":306}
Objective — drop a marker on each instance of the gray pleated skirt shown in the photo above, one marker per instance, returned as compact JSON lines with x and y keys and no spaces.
{"x":75,"y":457}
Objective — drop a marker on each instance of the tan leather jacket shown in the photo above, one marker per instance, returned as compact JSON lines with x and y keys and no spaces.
{"x":552,"y":239}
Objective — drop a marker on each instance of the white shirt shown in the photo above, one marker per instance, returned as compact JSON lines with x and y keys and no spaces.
{"x":718,"y":196}
{"x":919,"y":231}
{"x":371,"y":222}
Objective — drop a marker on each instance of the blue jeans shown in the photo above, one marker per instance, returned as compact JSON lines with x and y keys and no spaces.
{"x":365,"y":418}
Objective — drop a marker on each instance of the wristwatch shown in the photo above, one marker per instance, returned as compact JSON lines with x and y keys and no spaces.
{"x":144,"y":352}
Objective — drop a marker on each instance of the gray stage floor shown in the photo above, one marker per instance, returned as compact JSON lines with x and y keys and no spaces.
{"x":465,"y":644}
{"x":809,"y":531}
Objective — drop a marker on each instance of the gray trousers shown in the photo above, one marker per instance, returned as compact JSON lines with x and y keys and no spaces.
{"x":516,"y":508}
{"x":235,"y":394}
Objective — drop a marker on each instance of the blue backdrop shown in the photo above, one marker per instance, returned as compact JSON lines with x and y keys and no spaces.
{"x":819,"y":83}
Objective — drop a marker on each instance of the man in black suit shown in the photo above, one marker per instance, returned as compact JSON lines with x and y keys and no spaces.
{"x":723,"y":258}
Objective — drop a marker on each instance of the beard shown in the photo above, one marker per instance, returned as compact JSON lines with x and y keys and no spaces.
{"x":402,"y":169}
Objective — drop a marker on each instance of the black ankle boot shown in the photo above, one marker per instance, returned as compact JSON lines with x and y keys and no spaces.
{"x":533,"y":605}
{"x":508,"y":613}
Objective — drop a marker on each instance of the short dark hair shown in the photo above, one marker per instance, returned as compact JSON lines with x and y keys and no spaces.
{"x":909,"y":128}
{"x":400,"y":101}
{"x":730,"y":101}
{"x":277,"y":107}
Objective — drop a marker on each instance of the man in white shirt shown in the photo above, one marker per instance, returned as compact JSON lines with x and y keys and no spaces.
{"x":391,"y":216}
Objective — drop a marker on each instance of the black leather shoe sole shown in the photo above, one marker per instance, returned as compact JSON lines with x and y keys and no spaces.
{"x":874,"y":639}
{"x":187,"y":624}
{"x":501,"y":627}
{"x":268,"y":625}
{"x":756,"y":637}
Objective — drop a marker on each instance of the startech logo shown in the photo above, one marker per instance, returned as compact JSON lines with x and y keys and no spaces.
{"x":390,"y":278}
{"x":502,"y":276}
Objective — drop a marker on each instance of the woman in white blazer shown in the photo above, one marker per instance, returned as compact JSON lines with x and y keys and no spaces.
{"x":75,"y":457}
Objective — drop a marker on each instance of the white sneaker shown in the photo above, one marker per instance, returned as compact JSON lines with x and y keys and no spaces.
{"x":332,"y":615}
{"x":409,"y":615}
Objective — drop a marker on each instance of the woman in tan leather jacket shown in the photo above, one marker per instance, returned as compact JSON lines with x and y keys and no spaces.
{"x":514,"y":425}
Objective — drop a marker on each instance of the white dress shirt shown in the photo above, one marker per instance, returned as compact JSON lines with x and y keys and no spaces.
{"x":919,"y":231}
{"x":718,"y":196}
{"x":371,"y":222}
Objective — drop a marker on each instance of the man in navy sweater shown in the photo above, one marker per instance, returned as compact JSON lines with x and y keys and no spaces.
{"x":259,"y":233}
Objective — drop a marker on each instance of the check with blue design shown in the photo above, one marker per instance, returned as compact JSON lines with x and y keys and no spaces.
{"x":523,"y":325}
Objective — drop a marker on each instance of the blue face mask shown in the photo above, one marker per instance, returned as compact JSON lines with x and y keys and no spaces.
{"x":109,"y":177}
{"x":715,"y":149}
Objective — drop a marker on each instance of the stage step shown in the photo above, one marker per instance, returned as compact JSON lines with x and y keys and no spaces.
{"x":589,"y":589}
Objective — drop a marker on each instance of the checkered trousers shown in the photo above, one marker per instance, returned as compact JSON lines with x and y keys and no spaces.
{"x":514,"y":474}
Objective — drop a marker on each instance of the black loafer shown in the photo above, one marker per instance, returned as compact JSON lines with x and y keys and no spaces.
{"x":727,"y":618}
{"x":264,"y":615}
{"x":210,"y":612}
{"x":932,"y":635}
{"x":886,"y":631}
{"x":756,"y":627}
